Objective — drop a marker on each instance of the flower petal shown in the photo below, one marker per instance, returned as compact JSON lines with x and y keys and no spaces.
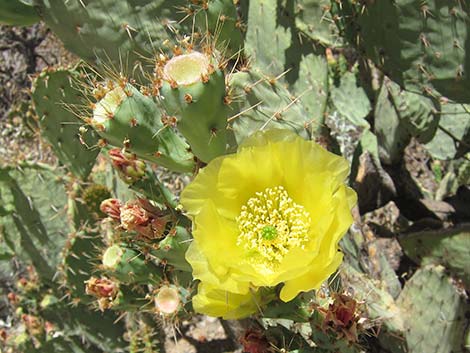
{"x":216,"y":302}
{"x":199,"y":190}
{"x":329,"y":257}
{"x":203,"y":271}
{"x":310,"y":280}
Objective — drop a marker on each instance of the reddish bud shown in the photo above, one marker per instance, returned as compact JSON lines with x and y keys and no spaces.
{"x":104,"y":289}
{"x":254,"y":341}
{"x":112,"y":208}
{"x":129,"y":167}
{"x":342,"y":316}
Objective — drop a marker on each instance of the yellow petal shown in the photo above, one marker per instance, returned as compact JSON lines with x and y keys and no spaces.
{"x":222,"y":278}
{"x":310,"y":280}
{"x":220,"y":303}
{"x":329,"y":257}
{"x":313,"y":178}
{"x":252,"y":170}
{"x":198,"y":191}
{"x":263,"y":138}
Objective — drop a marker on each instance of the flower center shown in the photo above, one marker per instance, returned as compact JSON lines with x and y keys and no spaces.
{"x":269,"y":232}
{"x":270,"y":224}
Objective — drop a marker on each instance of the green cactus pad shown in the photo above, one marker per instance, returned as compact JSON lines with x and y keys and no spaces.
{"x":171,"y":250}
{"x":264,"y":105}
{"x":280,"y":57}
{"x":33,"y":223}
{"x":129,"y":266}
{"x":399,"y":115}
{"x":17,"y":13}
{"x":56,"y":96}
{"x":433,"y":312}
{"x":351,"y":100}
{"x":195,"y":96}
{"x":449,"y":248}
{"x":420,"y":45}
{"x":94,"y":331}
{"x":126,"y":116}
{"x":266,"y":41}
{"x":130,"y":299}
{"x":277,"y":46}
{"x":120,"y":35}
{"x":452,"y":138}
{"x":220,"y":19}
{"x":313,"y":18}
{"x":80,"y":259}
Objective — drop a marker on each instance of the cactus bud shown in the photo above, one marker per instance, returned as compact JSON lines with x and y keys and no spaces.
{"x":341,"y":316}
{"x":33,"y":324}
{"x":133,"y":216}
{"x":112,"y":208}
{"x":141,"y":216}
{"x":104,"y":289}
{"x":254,"y":341}
{"x":128,"y":166}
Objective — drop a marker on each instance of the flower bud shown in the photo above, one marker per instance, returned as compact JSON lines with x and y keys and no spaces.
{"x":342,"y":316}
{"x":133,"y":215}
{"x":128,"y":166}
{"x":112,"y":208}
{"x":104,"y":289}
{"x":144,"y":218}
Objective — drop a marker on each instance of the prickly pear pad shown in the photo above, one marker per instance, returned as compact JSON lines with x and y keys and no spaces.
{"x":276,"y":210}
{"x":127,"y":117}
{"x":194,"y":92}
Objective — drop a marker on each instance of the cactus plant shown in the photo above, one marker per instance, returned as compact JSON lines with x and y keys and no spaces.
{"x":405,"y":39}
{"x":126,"y":117}
{"x":18,"y":13}
{"x":193,"y":90}
{"x":33,"y":224}
{"x":433,"y":311}
{"x":447,"y":248}
{"x":56,"y":96}
{"x":178,"y":85}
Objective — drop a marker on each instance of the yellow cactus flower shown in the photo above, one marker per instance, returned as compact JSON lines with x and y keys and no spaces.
{"x":271,"y":213}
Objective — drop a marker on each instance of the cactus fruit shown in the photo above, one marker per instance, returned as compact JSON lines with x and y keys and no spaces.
{"x":193,"y":90}
{"x":126,"y":117}
{"x":56,"y":96}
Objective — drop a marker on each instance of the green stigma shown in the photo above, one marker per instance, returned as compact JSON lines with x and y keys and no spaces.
{"x":269,"y":232}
